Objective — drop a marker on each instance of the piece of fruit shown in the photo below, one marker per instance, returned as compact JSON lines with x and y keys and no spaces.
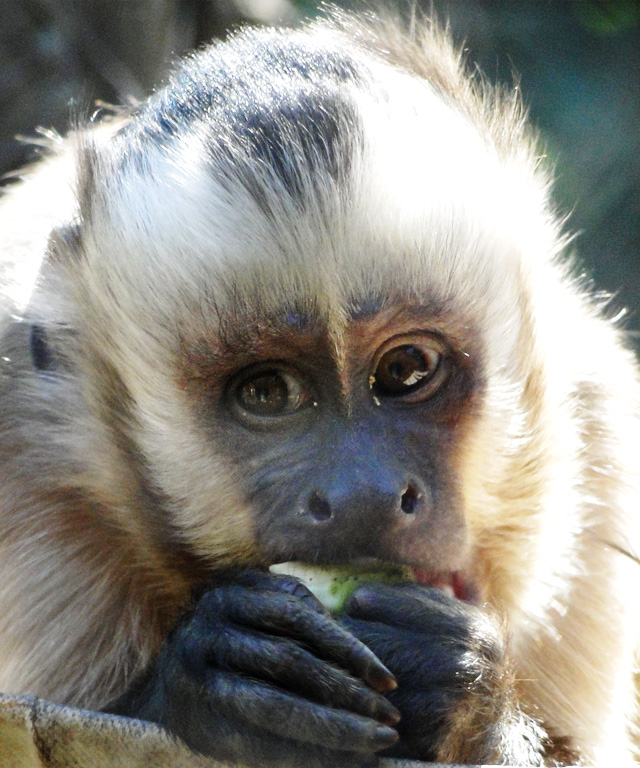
{"x":334,"y":584}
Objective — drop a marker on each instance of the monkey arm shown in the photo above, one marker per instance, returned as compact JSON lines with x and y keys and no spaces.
{"x":259,"y":671}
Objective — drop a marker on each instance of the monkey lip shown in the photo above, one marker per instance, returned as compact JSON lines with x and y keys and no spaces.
{"x":455,"y":584}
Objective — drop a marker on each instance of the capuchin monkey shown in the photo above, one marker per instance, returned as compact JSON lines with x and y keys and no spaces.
{"x":310,"y":303}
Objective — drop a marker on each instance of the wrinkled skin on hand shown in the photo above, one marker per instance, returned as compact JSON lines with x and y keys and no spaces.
{"x":259,"y":672}
{"x":448,"y":658}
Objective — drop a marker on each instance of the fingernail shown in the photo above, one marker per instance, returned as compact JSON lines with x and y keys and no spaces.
{"x":381,"y":679}
{"x":384,"y":737}
{"x":390,"y":716}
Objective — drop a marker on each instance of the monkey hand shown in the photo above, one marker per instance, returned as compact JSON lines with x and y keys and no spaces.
{"x":455,"y":692}
{"x":260,"y":673}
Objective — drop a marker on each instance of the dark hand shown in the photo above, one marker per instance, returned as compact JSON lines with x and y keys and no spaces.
{"x":260,"y":673}
{"x":454,"y":692}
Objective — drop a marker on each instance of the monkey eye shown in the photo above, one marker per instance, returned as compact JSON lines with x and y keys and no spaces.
{"x":270,"y":393}
{"x":413,"y":370}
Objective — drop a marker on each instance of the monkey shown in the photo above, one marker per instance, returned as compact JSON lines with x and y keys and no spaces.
{"x":312,"y":302}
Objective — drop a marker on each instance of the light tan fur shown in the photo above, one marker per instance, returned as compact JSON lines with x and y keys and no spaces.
{"x":113,"y":501}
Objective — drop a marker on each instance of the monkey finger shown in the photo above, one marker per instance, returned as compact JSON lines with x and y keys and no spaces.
{"x":433,"y":667}
{"x":291,"y":717}
{"x":282,"y":614}
{"x":424,"y":609}
{"x":280,"y":583}
{"x":285,"y":662}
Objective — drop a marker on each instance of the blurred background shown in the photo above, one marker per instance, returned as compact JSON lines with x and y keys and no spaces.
{"x":577,"y":62}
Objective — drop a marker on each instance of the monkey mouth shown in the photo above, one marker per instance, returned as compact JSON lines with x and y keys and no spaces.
{"x":455,"y":584}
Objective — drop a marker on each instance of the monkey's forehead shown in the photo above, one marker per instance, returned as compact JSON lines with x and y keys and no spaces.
{"x":285,"y":166}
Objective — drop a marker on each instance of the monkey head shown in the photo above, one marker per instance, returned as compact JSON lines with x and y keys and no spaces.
{"x":299,"y":297}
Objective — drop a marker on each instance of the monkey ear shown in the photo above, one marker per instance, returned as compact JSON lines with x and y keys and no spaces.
{"x":41,"y":354}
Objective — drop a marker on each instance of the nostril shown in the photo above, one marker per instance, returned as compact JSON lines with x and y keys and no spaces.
{"x":319,"y":508}
{"x":409,"y":501}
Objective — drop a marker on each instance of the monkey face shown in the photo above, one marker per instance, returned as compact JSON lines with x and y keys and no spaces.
{"x":345,"y":446}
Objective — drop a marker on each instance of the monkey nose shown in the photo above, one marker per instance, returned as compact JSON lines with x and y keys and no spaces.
{"x":373,"y":506}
